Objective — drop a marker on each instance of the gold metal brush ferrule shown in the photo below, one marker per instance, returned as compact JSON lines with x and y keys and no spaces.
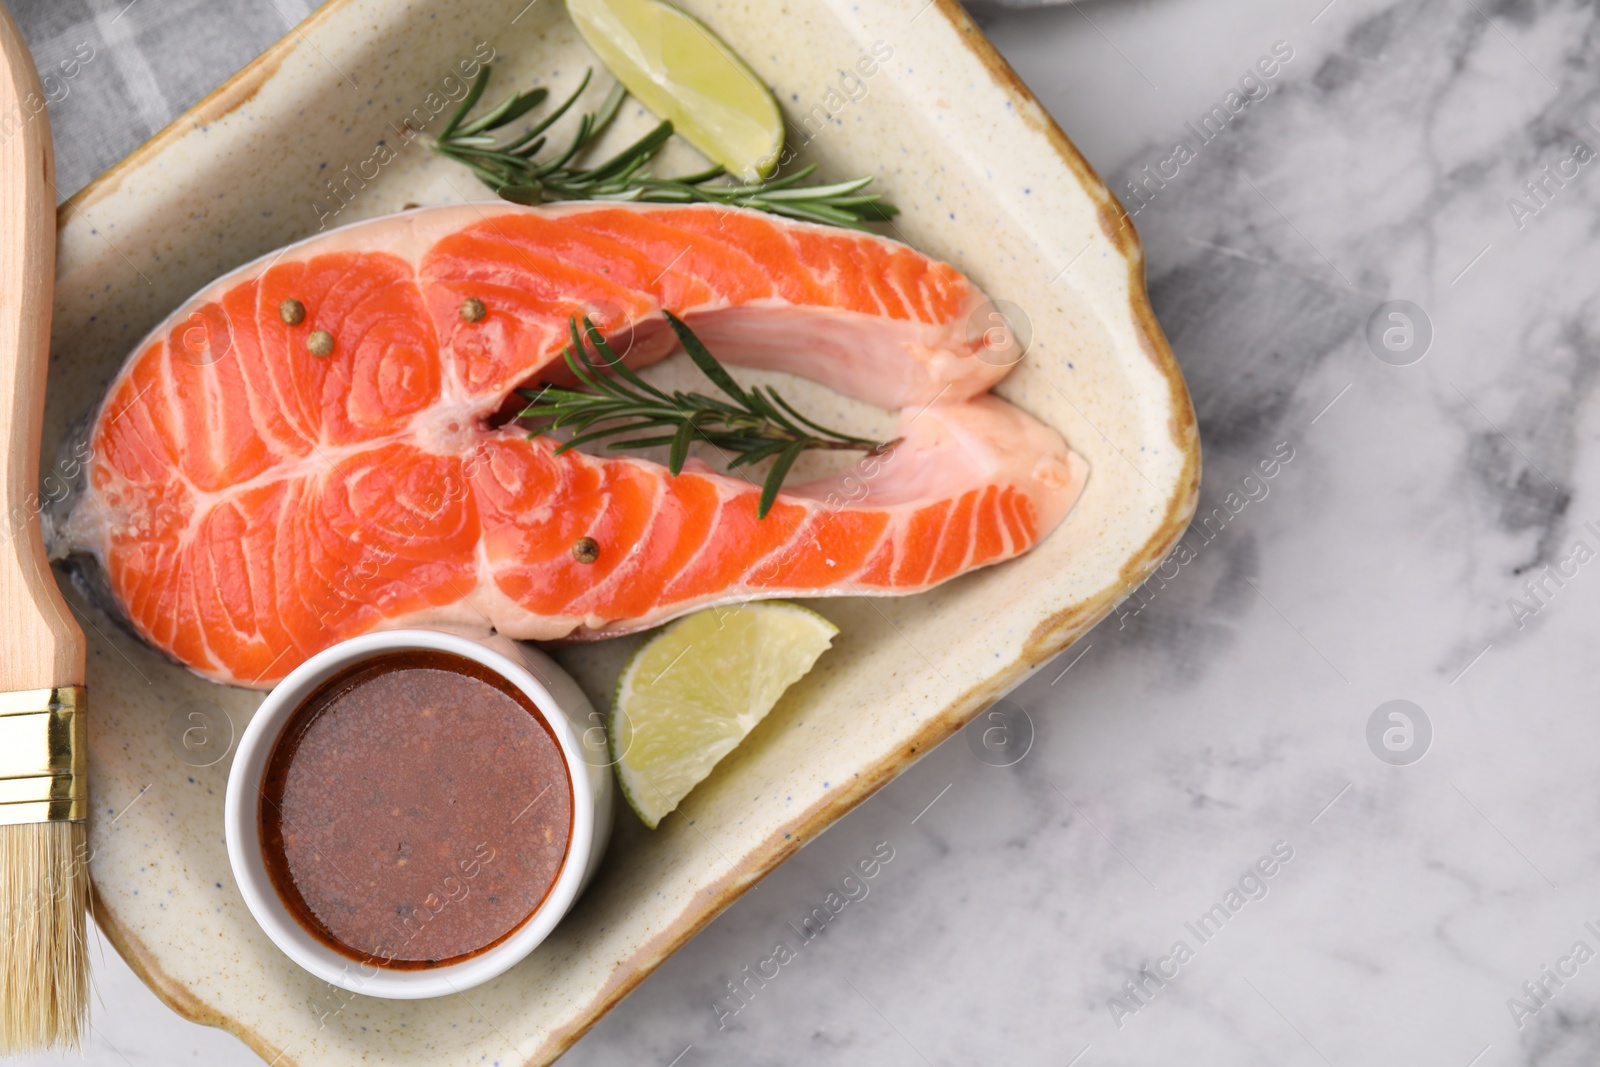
{"x":44,"y":756}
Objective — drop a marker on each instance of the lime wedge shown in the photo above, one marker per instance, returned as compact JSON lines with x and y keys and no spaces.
{"x":682,"y":71}
{"x":692,"y":692}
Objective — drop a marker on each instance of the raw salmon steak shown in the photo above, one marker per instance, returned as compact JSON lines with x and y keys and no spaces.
{"x":251,"y":502}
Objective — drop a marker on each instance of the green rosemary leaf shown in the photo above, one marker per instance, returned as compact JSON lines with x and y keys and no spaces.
{"x":763,"y":407}
{"x":642,"y":442}
{"x":491,"y":157}
{"x":525,"y":143}
{"x":510,"y":110}
{"x":596,"y":435}
{"x":527,"y":195}
{"x":874,"y":209}
{"x":815,"y":192}
{"x":664,"y":195}
{"x":775,"y":183}
{"x":480,"y":140}
{"x":835,"y":434}
{"x":614,"y":361}
{"x":585,"y":371}
{"x":593,"y":374}
{"x":479,"y":84}
{"x":705,"y":360}
{"x":490,"y":178}
{"x":775,"y":477}
{"x":701,"y":177}
{"x":808,"y":213}
{"x":757,"y":453}
{"x":624,"y":196}
{"x":549,"y":397}
{"x":526,"y":152}
{"x":563,"y":107}
{"x":680,"y":446}
{"x":608,"y":109}
{"x":709,"y":403}
{"x":635,"y":154}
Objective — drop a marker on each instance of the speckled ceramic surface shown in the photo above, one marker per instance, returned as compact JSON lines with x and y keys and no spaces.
{"x":985,"y":181}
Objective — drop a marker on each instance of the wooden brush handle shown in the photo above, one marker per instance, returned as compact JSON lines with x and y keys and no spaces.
{"x":41,"y":645}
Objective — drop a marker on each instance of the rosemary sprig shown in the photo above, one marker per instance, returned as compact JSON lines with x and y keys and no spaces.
{"x":614,"y":401}
{"x":510,"y":169}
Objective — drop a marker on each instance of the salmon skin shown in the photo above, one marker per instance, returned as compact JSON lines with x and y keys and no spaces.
{"x":252,"y":503}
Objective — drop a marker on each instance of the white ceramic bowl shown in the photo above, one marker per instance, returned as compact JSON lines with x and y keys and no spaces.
{"x":576,"y":726}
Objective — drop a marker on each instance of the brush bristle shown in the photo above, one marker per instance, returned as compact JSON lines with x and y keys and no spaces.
{"x":44,"y":958}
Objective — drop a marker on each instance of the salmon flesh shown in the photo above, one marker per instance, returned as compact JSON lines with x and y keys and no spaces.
{"x":251,"y":502}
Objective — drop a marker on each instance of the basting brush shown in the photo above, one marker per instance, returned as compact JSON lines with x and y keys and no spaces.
{"x":44,"y":787}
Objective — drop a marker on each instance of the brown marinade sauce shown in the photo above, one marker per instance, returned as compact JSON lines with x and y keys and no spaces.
{"x":415,"y":811}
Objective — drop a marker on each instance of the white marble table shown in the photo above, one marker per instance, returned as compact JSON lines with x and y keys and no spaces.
{"x":1214,"y":813}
